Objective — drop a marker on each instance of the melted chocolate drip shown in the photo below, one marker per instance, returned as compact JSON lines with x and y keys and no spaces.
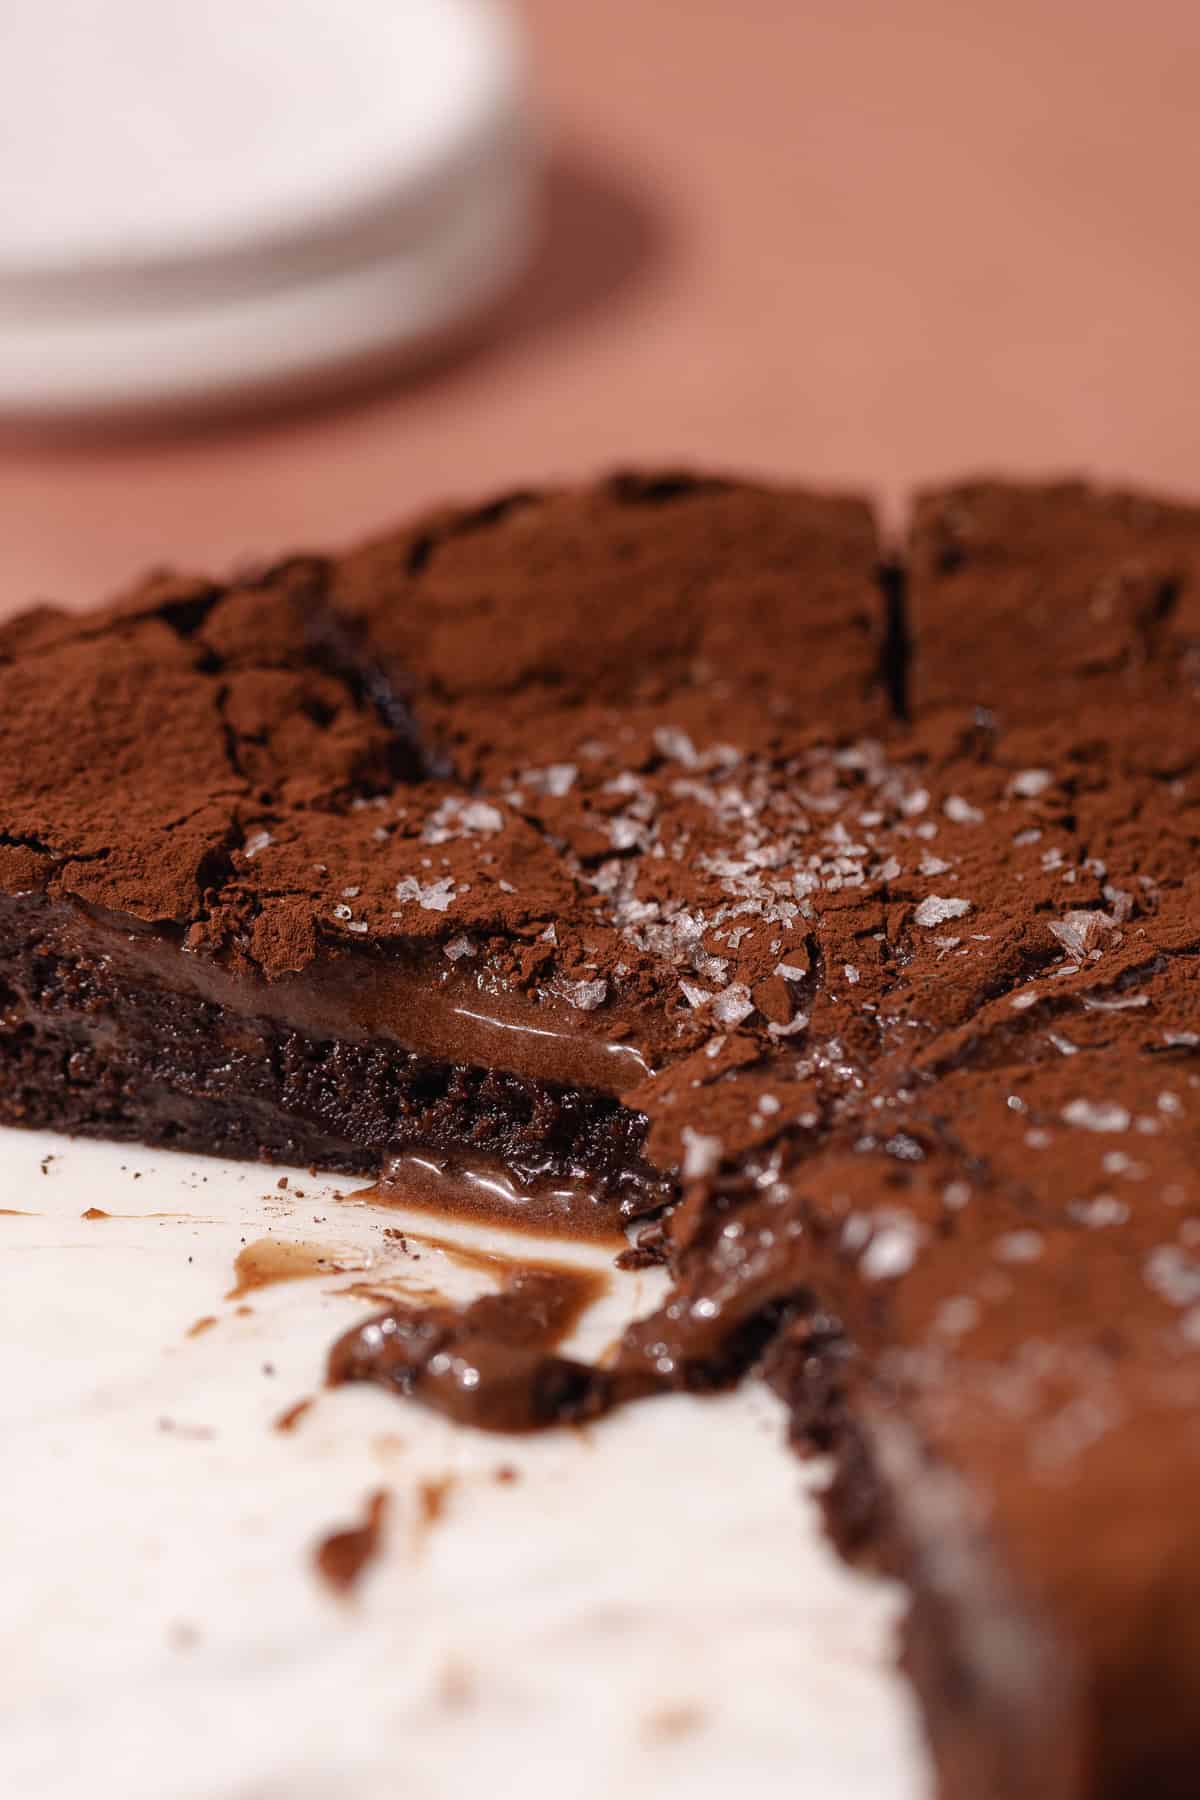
{"x":494,"y":1363}
{"x":482,"y":1189}
{"x":342,"y":1556}
{"x":270,"y":1260}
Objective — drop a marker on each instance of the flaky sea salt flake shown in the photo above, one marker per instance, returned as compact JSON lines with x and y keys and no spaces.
{"x":1118,"y":899}
{"x":1019,"y":1247}
{"x":556,"y":779}
{"x":892,"y":1250}
{"x":676,"y":745}
{"x":1029,"y":783}
{"x":430,"y":896}
{"x":1099,"y":1213}
{"x":798,"y":1023}
{"x":701,"y":1154}
{"x":954,"y":1317}
{"x":1080,"y":932}
{"x":1173,"y":1275}
{"x":937,"y":910}
{"x":462,"y":818}
{"x":479,"y":816}
{"x":1093,"y":1115}
{"x":586,"y":995}
{"x":733,"y":1004}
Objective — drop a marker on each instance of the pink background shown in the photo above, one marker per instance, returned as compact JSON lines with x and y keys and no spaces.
{"x":853,"y":241}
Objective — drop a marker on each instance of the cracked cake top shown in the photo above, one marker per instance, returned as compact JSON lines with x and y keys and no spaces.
{"x":870,"y":891}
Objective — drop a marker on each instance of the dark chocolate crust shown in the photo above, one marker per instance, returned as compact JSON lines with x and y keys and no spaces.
{"x":657,"y":832}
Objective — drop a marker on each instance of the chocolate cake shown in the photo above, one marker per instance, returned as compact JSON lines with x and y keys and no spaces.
{"x":828,"y":920}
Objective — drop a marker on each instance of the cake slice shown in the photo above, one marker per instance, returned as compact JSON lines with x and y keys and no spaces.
{"x":979,"y":1284}
{"x":953,"y":1216}
{"x":411,"y":851}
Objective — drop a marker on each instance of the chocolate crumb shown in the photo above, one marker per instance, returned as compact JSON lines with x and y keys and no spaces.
{"x":292,"y":1415}
{"x":432,"y":1497}
{"x":342,"y":1557}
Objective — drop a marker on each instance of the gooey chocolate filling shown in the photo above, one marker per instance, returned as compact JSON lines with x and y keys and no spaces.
{"x":110,"y":1031}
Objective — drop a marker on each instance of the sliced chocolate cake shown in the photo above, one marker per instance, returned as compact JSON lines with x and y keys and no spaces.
{"x":838,"y":919}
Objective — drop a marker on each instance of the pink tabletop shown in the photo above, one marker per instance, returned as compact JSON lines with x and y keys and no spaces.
{"x":851,"y":241}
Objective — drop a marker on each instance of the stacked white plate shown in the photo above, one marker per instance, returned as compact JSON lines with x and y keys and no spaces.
{"x":202,"y":204}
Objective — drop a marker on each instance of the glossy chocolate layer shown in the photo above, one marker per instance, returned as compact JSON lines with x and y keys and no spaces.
{"x":493,"y":1364}
{"x":119,"y":1032}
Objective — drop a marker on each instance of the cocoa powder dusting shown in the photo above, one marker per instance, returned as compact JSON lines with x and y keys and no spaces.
{"x":840,"y":924}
